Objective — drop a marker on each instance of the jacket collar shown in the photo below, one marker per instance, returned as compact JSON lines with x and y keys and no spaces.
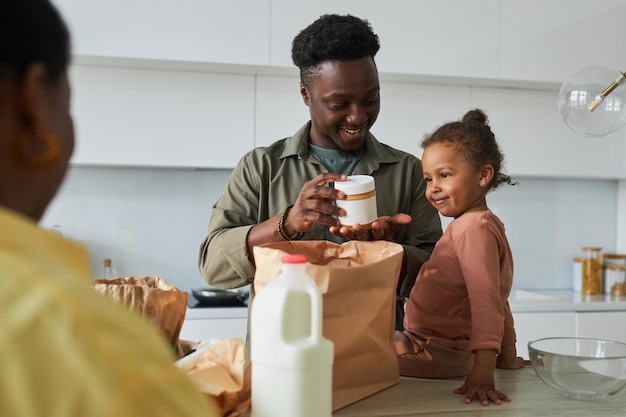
{"x":375,"y":154}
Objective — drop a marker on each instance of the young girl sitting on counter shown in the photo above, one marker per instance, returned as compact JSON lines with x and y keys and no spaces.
{"x":458,"y":321}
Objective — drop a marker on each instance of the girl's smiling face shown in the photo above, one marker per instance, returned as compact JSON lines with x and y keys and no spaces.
{"x":453,"y":185}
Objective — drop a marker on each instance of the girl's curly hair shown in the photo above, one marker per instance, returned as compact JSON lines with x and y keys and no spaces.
{"x":475,"y":140}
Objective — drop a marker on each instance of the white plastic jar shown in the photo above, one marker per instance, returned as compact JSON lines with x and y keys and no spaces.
{"x":360,"y":202}
{"x":577,"y":277}
{"x":613,"y":271}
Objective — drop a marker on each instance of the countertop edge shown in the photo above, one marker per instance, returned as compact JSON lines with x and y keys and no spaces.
{"x":567,"y":301}
{"x":559,"y":301}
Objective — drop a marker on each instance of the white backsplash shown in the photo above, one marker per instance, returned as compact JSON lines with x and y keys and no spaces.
{"x":148,"y":221}
{"x":151,"y":221}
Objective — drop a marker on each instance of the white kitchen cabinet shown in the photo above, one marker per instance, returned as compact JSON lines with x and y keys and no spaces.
{"x":550,"y":40}
{"x":484,"y":39}
{"x":144,"y":117}
{"x":562,"y":313}
{"x":449,"y":38}
{"x":621,"y":211}
{"x":215,"y":323}
{"x":199,"y":83}
{"x":203,"y":329}
{"x":609,"y":325}
{"x":408,"y":110}
{"x":235,"y":31}
{"x":536,"y":141}
{"x":280,"y":110}
{"x":536,"y":325}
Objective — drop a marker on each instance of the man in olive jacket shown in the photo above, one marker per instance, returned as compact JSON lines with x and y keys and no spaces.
{"x":282,"y":192}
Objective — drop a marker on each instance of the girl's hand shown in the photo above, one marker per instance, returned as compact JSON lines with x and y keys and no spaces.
{"x":483,"y":390}
{"x":480,"y":383}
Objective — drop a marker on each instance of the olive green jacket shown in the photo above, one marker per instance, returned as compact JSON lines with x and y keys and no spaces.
{"x":268,"y":179}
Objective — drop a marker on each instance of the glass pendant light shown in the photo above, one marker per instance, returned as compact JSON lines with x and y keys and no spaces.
{"x":592,"y":101}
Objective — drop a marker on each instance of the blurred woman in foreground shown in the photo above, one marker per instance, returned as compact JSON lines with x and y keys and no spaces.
{"x":65,"y":350}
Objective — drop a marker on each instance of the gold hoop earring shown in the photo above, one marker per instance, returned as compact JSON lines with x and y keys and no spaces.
{"x":42,"y":159}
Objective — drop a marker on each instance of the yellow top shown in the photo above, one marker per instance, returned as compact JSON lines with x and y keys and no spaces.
{"x":69,"y":351}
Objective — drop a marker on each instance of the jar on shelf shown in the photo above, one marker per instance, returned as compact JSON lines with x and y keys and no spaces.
{"x":613,"y":271}
{"x":614,"y":278}
{"x":614,"y":259}
{"x":577,"y":274}
{"x":109,"y":272}
{"x":592,"y":271}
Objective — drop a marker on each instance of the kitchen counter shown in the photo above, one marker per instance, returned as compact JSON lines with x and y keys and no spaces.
{"x":562,"y":300}
{"x":529,"y":397}
{"x":203,"y":323}
{"x":429,"y":397}
{"x":519,"y":300}
{"x":200,"y":313}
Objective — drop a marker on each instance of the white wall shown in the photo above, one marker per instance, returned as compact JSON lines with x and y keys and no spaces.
{"x":621,"y":215}
{"x":151,"y":221}
{"x":148,"y":221}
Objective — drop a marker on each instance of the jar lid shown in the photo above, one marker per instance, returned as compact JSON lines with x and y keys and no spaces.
{"x":585,"y":248}
{"x":356,"y":184}
{"x":614,"y":267}
{"x":614,"y":256}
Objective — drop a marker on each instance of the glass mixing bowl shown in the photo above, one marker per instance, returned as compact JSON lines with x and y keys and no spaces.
{"x":580,"y":368}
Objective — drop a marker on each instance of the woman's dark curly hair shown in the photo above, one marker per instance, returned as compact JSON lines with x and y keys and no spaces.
{"x":475,"y":140}
{"x":332,"y":37}
{"x":32,"y":31}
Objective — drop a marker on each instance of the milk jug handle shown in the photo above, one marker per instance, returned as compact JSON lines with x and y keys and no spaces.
{"x":316,"y":313}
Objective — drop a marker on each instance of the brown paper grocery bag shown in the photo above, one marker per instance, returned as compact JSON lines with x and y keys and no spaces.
{"x":358,"y":282}
{"x":155,"y":299}
{"x":217,"y":367}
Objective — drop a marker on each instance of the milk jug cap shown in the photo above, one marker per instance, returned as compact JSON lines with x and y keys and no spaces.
{"x":293,"y":259}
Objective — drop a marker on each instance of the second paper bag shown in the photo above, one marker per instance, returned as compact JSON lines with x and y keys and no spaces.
{"x":358,"y":282}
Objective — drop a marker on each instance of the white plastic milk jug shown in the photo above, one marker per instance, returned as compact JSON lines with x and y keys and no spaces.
{"x":291,"y":360}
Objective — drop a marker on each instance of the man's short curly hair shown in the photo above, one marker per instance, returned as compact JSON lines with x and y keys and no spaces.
{"x":332,"y":37}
